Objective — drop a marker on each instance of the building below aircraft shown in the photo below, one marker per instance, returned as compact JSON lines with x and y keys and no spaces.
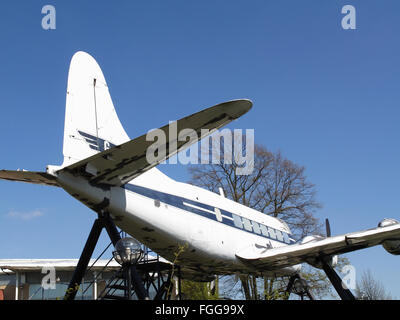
{"x":22,"y":279}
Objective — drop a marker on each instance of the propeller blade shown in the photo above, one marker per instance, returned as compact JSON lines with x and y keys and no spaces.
{"x":328,"y":228}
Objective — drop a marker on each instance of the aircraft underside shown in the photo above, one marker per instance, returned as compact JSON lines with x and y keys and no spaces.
{"x":192,"y":242}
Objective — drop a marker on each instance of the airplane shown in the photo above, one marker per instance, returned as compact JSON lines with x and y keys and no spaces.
{"x":108,"y":172}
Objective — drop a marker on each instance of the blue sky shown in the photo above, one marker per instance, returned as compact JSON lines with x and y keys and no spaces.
{"x":324,"y":96}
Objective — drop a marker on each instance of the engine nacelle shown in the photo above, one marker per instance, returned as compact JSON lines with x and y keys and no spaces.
{"x":391,"y":246}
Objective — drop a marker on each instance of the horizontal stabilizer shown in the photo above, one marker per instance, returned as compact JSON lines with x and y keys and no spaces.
{"x":29,"y":177}
{"x":122,"y":163}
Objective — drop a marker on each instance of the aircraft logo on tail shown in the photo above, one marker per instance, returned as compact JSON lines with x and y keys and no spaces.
{"x":95,"y":143}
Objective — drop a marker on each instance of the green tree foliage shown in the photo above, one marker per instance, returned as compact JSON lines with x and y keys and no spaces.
{"x":192,"y":290}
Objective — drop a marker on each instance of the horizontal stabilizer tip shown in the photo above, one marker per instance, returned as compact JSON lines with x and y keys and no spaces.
{"x":29,"y":177}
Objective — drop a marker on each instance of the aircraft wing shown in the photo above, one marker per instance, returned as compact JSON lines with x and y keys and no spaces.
{"x":122,"y":163}
{"x":313,"y":250}
{"x":29,"y":176}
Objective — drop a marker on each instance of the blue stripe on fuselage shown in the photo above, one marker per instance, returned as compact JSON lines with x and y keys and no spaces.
{"x":178,"y":202}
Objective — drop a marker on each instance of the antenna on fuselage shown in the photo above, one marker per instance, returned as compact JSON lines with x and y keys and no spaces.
{"x":95,"y":113}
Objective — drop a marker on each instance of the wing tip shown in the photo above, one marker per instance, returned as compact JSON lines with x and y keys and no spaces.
{"x":238,"y":107}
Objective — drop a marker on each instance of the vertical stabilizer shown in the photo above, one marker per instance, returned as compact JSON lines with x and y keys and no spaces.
{"x":91,"y":123}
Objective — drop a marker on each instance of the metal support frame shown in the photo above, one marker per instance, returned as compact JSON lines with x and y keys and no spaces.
{"x":179,"y":283}
{"x":153,"y":274}
{"x":162,"y":292}
{"x":137,"y":283}
{"x":84,"y":260}
{"x":306,"y":290}
{"x":157,"y":275}
{"x":340,"y":287}
{"x":103,"y":221}
{"x":338,"y":284}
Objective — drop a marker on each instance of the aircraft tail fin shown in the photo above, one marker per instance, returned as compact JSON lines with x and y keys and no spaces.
{"x":91,"y":122}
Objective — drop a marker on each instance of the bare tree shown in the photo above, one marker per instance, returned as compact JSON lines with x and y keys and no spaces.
{"x":277,"y":187}
{"x":368,"y":288}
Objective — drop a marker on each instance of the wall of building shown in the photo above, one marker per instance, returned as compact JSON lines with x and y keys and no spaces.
{"x":31,"y":286}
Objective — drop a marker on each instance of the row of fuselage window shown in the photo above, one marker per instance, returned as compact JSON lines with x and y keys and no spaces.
{"x":260,"y":229}
{"x":238,"y":222}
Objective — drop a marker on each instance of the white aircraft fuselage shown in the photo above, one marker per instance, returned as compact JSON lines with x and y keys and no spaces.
{"x":171,"y":217}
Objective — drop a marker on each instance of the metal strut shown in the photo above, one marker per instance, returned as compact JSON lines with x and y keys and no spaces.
{"x":103,"y":221}
{"x":84,"y":260}
{"x":338,"y":284}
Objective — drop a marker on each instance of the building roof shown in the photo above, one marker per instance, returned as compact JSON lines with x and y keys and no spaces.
{"x":26,"y":265}
{"x":31,"y":265}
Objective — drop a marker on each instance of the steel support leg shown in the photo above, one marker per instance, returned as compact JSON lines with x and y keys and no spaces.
{"x":84,"y":260}
{"x":340,"y":287}
{"x":162,"y":290}
{"x":179,"y":283}
{"x":104,"y":221}
{"x":128,"y":274}
{"x":111,"y":229}
{"x":133,"y":277}
{"x":290,"y":284}
{"x":137,"y":284}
